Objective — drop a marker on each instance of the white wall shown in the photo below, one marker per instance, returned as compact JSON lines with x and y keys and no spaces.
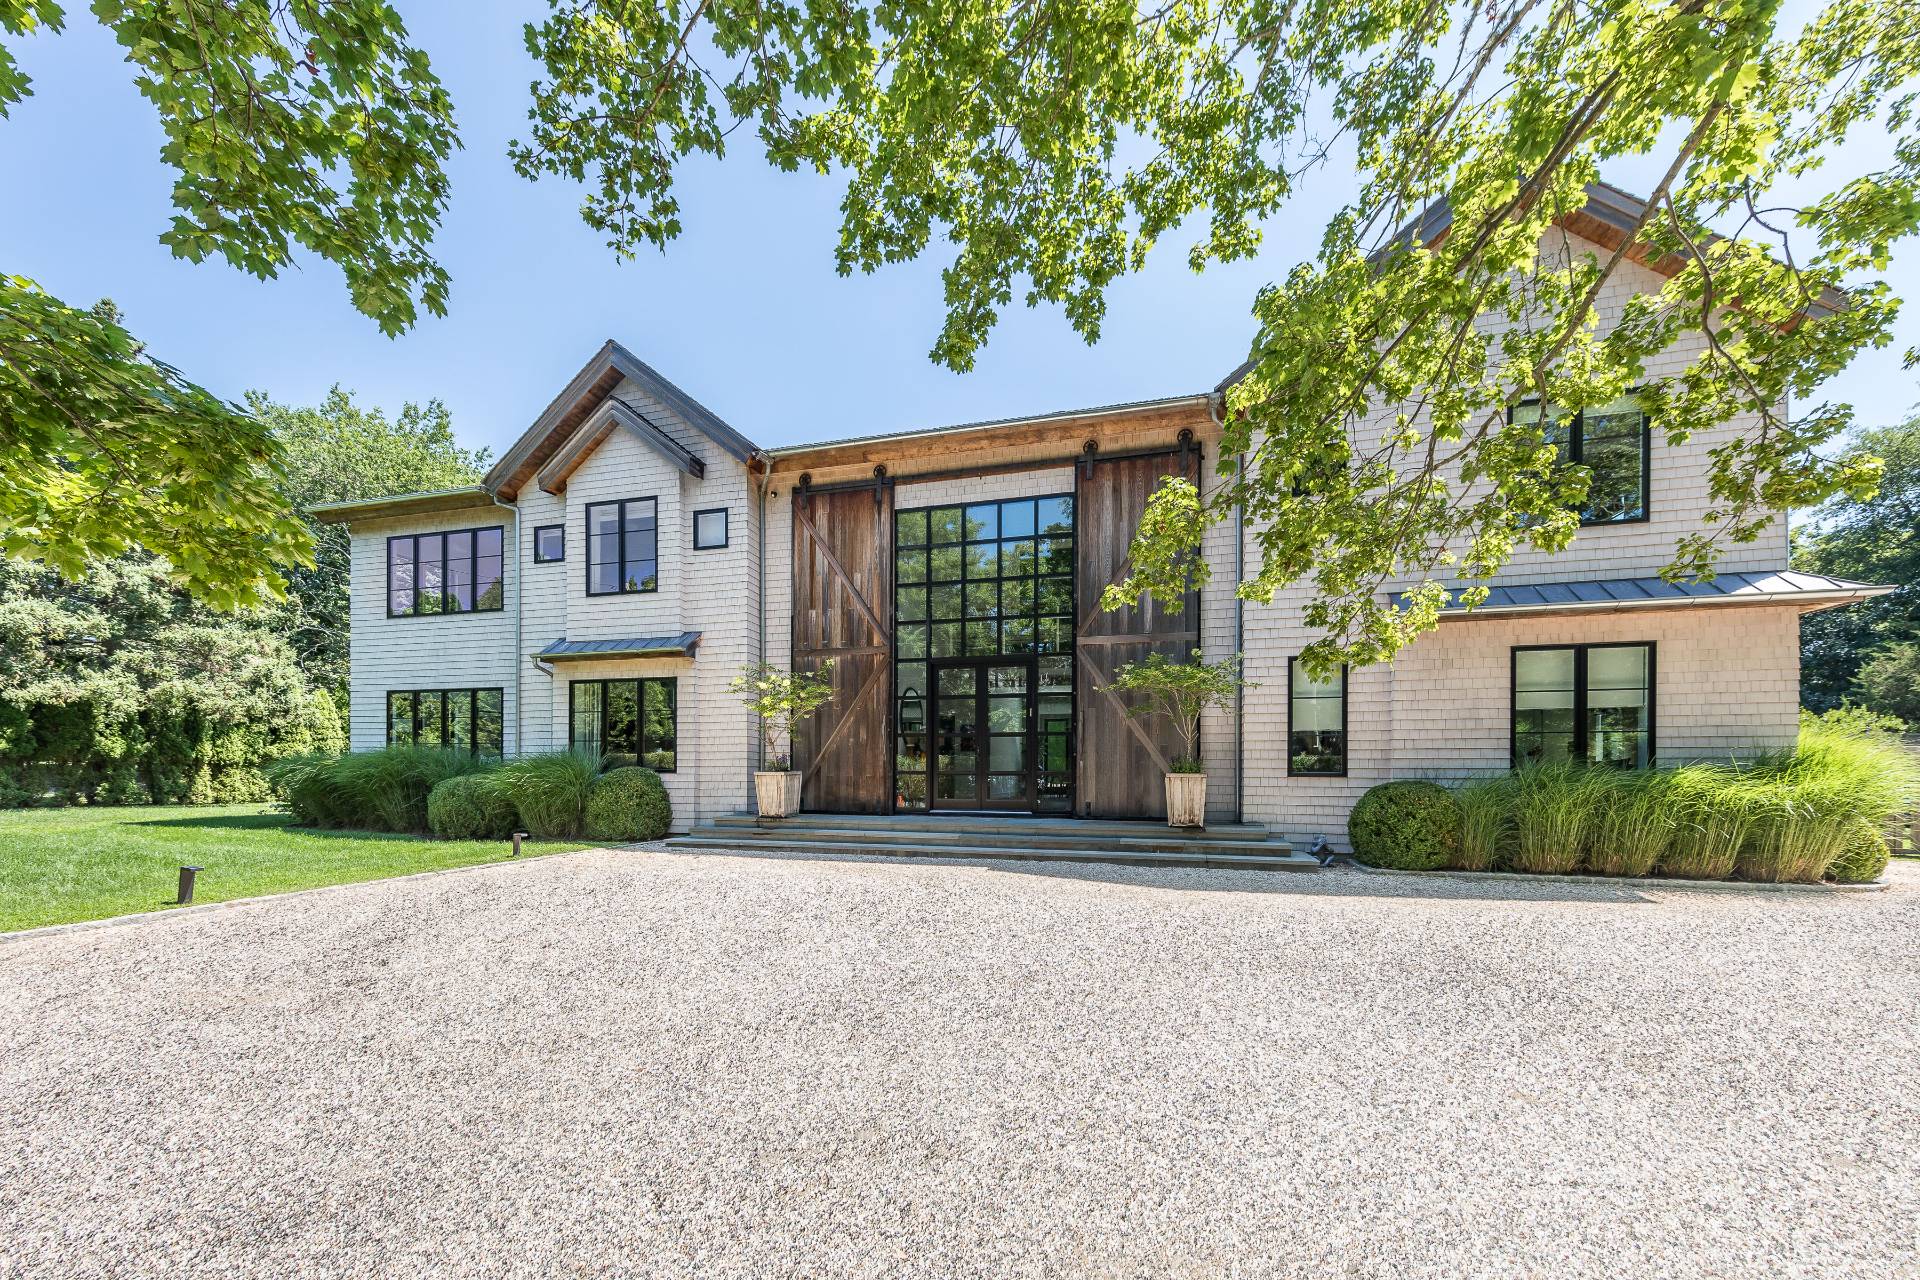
{"x":439,"y":651}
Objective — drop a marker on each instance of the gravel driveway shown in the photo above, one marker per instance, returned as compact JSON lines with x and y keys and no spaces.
{"x":669,"y":1064}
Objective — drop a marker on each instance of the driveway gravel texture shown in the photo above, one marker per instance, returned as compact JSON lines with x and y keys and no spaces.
{"x":655,"y":1063}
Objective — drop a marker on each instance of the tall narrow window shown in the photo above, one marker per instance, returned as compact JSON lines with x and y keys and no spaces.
{"x":459,"y":571}
{"x":1316,"y":723}
{"x":627,"y":721}
{"x":1614,"y":442}
{"x":622,"y":547}
{"x":1584,"y":702}
{"x":467,"y":720}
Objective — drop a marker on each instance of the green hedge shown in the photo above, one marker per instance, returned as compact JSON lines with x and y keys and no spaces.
{"x":550,"y":791}
{"x":1799,"y":815}
{"x":466,"y":807}
{"x":1408,"y":826}
{"x":369,"y":790}
{"x":628,"y":804}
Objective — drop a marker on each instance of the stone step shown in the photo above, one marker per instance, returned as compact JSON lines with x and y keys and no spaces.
{"x":1140,"y":838}
{"x":1274,"y":856}
{"x":971,"y":825}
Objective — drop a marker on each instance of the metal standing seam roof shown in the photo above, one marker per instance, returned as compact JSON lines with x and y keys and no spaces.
{"x":681,"y":645}
{"x":1785,"y":586}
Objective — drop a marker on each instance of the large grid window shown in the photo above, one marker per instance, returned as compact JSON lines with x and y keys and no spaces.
{"x":467,"y":720}
{"x":975,"y":581}
{"x":623,"y":547}
{"x":1583,"y":702}
{"x":459,"y":571}
{"x":1316,"y":723}
{"x":625,"y":721}
{"x":1615,"y":443}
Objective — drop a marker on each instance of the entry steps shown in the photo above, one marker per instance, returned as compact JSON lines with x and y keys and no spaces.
{"x":1240,"y":844}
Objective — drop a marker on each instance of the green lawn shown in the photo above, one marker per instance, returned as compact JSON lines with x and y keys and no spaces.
{"x":61,"y":865}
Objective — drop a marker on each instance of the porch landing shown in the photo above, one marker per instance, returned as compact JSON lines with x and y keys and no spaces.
{"x":995,"y":836}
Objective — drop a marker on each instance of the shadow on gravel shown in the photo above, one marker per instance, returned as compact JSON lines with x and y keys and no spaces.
{"x":1331,"y":882}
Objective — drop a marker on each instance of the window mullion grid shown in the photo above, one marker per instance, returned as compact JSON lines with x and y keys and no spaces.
{"x":1580,"y":702}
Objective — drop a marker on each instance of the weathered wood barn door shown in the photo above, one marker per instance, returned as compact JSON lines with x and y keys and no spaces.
{"x":1120,"y":760}
{"x":843,"y":610}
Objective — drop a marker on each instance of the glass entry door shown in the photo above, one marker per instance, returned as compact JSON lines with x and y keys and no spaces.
{"x":983,"y":727}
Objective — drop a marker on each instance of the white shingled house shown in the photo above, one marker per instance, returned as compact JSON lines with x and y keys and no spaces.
{"x":632,"y":552}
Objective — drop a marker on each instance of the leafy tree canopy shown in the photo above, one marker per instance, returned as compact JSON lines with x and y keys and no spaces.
{"x":1055,"y":144}
{"x":1875,"y":540}
{"x":288,"y":122}
{"x":1052,"y":146}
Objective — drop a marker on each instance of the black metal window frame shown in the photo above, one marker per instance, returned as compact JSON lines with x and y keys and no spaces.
{"x":644,"y":746}
{"x":539,"y":531}
{"x":621,"y":505}
{"x":1580,"y":707}
{"x":1043,"y":736}
{"x":724,"y":530}
{"x":1345,"y":740}
{"x":1575,"y":455}
{"x":473,"y":744}
{"x":474,"y":559}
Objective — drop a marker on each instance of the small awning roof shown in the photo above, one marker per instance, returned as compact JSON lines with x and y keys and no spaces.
{"x":1806,"y":591}
{"x":680,"y":646}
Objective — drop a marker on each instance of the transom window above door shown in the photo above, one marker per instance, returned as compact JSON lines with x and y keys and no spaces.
{"x":984,"y":579}
{"x":623,"y":547}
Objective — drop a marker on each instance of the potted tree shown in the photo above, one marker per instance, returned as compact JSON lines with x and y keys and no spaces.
{"x":1182,"y":691}
{"x":782,"y":700}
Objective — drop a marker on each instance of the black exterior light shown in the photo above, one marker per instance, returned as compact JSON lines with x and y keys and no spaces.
{"x":186,"y":884}
{"x":518,"y":836}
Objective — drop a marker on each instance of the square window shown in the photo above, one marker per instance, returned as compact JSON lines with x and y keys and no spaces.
{"x":1056,"y":515}
{"x":983,"y":521}
{"x":549,"y":543}
{"x":710,"y":529}
{"x":910,"y":566}
{"x":910,"y":604}
{"x":945,"y":564}
{"x":912,"y":529}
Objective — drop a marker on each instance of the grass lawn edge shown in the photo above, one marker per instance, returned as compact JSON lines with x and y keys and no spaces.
{"x":200,"y":908}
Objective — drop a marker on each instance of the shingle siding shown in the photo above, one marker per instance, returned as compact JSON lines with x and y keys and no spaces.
{"x":1727,"y":678}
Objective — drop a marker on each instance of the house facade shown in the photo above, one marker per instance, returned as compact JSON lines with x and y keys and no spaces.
{"x":632,"y":552}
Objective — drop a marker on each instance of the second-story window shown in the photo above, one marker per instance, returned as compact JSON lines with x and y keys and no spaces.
{"x":623,"y":547}
{"x":1614,"y":442}
{"x":549,"y":543}
{"x":454,"y":572}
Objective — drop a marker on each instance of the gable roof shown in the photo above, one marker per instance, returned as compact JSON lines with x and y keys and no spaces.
{"x":588,"y":390}
{"x":613,"y":413}
{"x":1607,"y":219}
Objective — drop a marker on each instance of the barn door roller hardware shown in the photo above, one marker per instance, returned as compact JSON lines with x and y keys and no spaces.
{"x":881,"y":483}
{"x":1087,"y":452}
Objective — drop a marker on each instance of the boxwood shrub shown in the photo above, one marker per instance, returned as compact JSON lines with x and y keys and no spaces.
{"x":628,"y":804}
{"x":1863,"y":855}
{"x":466,"y":808}
{"x":1407,"y":826}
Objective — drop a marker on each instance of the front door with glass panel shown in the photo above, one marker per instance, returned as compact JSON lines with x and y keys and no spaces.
{"x":983,"y":735}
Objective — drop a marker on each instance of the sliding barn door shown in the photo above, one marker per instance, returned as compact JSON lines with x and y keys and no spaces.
{"x":1121,"y":760}
{"x":843,"y":610}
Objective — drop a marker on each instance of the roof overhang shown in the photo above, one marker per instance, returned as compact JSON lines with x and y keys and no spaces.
{"x":675,"y":646}
{"x":402,"y":504}
{"x":613,"y":414}
{"x":1803,"y":592}
{"x":950,"y":444}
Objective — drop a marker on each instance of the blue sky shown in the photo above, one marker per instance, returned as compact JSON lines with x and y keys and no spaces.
{"x":744,"y":310}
